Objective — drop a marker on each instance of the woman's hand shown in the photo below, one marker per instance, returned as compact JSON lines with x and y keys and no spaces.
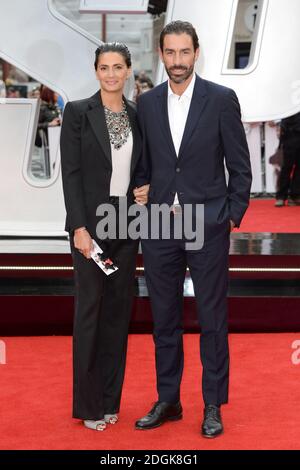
{"x":83,"y":242}
{"x":54,"y":122}
{"x":141,"y":194}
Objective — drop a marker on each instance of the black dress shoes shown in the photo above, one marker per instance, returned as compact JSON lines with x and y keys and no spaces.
{"x":212,"y":424}
{"x":159,"y":414}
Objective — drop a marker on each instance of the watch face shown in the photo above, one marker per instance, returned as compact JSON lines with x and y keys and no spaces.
{"x":251,"y":15}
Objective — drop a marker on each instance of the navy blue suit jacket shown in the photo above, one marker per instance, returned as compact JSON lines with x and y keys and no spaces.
{"x":213,"y":131}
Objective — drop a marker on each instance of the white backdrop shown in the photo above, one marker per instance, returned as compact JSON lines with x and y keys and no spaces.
{"x":269,"y":88}
{"x":56,"y":52}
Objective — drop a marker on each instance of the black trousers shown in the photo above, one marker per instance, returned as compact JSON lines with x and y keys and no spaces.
{"x":102,"y":313}
{"x":165,"y":264}
{"x":287,"y":184}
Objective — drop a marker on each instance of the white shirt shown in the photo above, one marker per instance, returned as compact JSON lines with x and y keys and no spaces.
{"x":178,"y":109}
{"x":121,"y":161}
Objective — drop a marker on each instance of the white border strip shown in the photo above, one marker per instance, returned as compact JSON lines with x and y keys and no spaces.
{"x":70,"y":268}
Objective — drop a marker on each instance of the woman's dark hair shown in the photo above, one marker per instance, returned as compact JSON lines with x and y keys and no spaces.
{"x":179,"y":27}
{"x":47,"y":95}
{"x":118,"y":47}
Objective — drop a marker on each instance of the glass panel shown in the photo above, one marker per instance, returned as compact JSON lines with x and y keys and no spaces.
{"x":137,"y":31}
{"x":14,"y":83}
{"x":45,"y":154}
{"x":245,"y":29}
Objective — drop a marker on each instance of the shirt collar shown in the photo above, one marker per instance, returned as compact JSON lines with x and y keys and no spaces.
{"x":188,"y":93}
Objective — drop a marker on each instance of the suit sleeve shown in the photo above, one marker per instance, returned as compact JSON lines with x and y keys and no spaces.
{"x":237,"y":157}
{"x":71,"y":172}
{"x":143,"y":170}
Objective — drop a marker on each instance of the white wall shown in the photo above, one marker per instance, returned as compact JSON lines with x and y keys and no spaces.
{"x":270,"y":87}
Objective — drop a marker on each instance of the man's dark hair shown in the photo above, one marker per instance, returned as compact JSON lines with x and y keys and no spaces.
{"x":118,"y":47}
{"x":179,"y":27}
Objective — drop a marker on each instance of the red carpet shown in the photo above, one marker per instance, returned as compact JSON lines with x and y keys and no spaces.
{"x":262,"y":216}
{"x":263,"y":413}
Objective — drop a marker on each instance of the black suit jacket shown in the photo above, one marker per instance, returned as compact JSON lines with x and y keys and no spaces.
{"x":86,"y":159}
{"x":213,"y":130}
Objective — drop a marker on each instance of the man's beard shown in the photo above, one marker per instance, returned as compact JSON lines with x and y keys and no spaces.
{"x":182,"y":78}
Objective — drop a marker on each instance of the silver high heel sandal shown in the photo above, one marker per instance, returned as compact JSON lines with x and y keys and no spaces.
{"x":111,"y":419}
{"x":98,"y":425}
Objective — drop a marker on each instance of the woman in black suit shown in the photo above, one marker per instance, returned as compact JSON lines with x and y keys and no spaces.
{"x":100,"y":147}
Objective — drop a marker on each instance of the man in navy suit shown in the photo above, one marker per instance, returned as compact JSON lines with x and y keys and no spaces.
{"x":189,"y":125}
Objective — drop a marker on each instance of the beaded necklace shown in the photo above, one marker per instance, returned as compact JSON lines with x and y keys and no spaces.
{"x":118,"y":126}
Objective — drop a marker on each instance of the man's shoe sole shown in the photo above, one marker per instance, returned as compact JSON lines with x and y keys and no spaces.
{"x":207,"y":436}
{"x":171,"y":418}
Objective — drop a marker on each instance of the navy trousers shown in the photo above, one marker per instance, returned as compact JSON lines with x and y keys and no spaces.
{"x":165,"y":264}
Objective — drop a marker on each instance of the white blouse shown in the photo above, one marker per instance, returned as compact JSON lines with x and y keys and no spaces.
{"x":121,"y":161}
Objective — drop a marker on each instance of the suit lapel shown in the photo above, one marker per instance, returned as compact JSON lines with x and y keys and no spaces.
{"x":97,"y":120}
{"x":162,"y":116}
{"x":198,"y":102}
{"x":136,"y":149}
